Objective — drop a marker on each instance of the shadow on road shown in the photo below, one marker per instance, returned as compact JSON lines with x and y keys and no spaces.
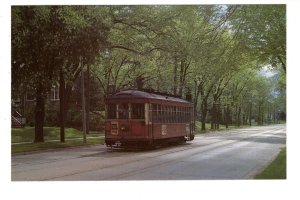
{"x":278,"y":139}
{"x":117,"y":152}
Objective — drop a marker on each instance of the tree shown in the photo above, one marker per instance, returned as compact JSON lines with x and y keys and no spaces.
{"x":47,"y":42}
{"x":82,"y":35}
{"x":33,"y":62}
{"x":205,"y":49}
{"x":263,"y":27}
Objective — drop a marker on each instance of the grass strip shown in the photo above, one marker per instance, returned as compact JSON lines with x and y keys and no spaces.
{"x":277,"y":169}
{"x":26,"y":134}
{"x":22,"y":148}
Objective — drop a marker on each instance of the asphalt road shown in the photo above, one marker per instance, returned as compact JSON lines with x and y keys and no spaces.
{"x":229,"y":155}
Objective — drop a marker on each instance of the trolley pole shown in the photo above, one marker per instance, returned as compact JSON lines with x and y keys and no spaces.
{"x":83,"y":102}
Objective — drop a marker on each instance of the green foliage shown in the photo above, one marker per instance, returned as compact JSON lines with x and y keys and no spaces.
{"x":214,"y":51}
{"x":96,"y":122}
{"x":263,"y":27}
{"x":48,"y":42}
{"x":52,"y":114}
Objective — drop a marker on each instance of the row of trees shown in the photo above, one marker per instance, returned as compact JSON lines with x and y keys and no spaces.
{"x":213,"y":51}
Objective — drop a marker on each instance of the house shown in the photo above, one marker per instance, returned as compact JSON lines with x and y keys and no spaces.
{"x":22,"y":108}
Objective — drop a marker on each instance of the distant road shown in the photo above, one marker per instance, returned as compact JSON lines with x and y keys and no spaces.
{"x":235,"y":154}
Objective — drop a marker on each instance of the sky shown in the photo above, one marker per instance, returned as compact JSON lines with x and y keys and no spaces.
{"x":267,"y":71}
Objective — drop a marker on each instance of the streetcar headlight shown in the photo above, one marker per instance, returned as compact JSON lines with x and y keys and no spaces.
{"x":123,"y":128}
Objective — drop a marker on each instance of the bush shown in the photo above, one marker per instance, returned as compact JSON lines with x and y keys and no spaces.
{"x":52,"y":114}
{"x":96,"y":120}
{"x":29,"y":115}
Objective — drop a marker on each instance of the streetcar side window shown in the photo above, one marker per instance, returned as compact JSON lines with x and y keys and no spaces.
{"x":181,"y":114}
{"x":174,"y":114}
{"x":138,"y":111}
{"x":154,"y":112}
{"x":185,"y":114}
{"x":170,"y":114}
{"x":179,"y":117}
{"x":164,"y":114}
{"x":123,"y":110}
{"x":111,"y":111}
{"x":159,"y":113}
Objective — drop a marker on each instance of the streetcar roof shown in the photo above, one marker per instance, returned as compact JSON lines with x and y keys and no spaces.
{"x":137,"y":94}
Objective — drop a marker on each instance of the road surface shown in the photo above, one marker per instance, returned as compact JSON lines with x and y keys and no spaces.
{"x":229,"y":155}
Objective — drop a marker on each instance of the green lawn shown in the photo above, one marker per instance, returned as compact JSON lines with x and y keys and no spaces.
{"x":221,"y":127}
{"x":26,"y":134}
{"x":22,"y":148}
{"x":277,"y":169}
{"x":73,"y":137}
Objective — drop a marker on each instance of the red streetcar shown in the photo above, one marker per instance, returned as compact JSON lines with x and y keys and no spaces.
{"x":139,"y":118}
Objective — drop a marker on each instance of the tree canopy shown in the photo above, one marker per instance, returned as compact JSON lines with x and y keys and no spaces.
{"x":213,"y":51}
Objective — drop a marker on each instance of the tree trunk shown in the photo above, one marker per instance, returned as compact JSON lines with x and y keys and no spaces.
{"x":219,"y":113}
{"x":181,"y":77}
{"x":39,"y":114}
{"x":196,"y":96}
{"x":239,"y":117}
{"x":62,"y":102}
{"x":203,"y":114}
{"x":258,"y":116}
{"x":88,"y":100}
{"x":274,"y":115}
{"x":235,"y":115}
{"x":68,"y":93}
{"x":262,"y":113}
{"x":83,"y":106}
{"x":213,"y":117}
{"x":175,"y":76}
{"x":226,"y":113}
{"x":250,"y":115}
{"x":198,"y":89}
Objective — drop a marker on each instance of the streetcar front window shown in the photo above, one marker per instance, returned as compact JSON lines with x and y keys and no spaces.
{"x":123,"y":110}
{"x":138,"y":111}
{"x":111,"y":111}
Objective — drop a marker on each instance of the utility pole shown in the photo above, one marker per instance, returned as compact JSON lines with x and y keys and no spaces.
{"x":83,"y":102}
{"x":62,"y":102}
{"x":87,"y":99}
